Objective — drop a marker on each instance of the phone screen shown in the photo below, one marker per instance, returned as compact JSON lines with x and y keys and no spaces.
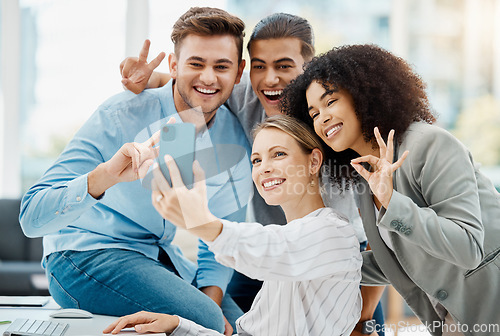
{"x":177,"y":140}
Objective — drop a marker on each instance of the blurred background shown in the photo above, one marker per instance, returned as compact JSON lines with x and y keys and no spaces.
{"x":59,"y":60}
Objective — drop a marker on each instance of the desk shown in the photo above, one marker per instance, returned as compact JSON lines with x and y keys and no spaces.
{"x":77,"y":327}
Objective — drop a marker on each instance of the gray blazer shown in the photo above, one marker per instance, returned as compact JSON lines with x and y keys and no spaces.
{"x":444,"y":223}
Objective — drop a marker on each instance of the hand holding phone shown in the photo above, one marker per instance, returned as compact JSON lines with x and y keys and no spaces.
{"x":183,"y":207}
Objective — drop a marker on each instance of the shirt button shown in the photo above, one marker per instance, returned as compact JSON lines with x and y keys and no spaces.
{"x":442,"y":295}
{"x":396,"y":224}
{"x":78,"y":198}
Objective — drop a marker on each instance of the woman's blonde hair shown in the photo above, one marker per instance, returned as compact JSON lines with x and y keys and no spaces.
{"x":305,"y":137}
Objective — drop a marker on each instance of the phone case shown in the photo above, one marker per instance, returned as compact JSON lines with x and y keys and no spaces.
{"x":177,"y":140}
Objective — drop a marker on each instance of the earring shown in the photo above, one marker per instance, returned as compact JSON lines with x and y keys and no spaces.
{"x":312,"y":184}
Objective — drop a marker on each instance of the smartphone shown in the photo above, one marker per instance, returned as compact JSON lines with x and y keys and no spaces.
{"x":177,"y":140}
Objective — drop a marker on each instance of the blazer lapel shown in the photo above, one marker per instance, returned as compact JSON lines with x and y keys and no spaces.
{"x":367,"y":210}
{"x":387,"y":260}
{"x":383,"y":255}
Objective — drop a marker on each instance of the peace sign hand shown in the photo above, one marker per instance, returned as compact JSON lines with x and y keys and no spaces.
{"x":136,"y":72}
{"x":380,"y":180}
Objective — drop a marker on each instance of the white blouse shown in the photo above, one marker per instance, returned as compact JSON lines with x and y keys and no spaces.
{"x":311,"y":270}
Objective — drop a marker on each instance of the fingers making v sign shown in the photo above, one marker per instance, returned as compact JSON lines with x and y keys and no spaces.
{"x":137,"y":71}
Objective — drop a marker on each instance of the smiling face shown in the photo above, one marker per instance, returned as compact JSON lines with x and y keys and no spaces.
{"x":335,"y":119}
{"x":205,"y":71}
{"x":281,"y":169}
{"x":274,"y":63}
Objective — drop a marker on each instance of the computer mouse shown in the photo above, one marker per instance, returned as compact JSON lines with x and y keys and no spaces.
{"x":71,"y":313}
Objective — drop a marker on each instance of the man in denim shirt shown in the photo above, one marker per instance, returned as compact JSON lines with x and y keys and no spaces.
{"x":106,"y":249}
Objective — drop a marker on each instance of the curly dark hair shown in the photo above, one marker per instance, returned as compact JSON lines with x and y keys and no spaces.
{"x":385,"y":90}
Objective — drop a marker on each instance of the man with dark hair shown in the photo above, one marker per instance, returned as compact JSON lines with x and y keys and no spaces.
{"x":106,"y":249}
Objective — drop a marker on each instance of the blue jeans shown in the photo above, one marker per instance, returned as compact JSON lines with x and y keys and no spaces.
{"x":121,"y":282}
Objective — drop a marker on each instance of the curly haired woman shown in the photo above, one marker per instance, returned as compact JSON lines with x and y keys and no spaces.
{"x":433,"y":223}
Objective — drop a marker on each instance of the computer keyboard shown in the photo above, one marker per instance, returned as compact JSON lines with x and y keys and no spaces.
{"x":31,"y":327}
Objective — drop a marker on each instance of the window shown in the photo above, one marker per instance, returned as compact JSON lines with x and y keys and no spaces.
{"x":59,"y":59}
{"x":70,"y":52}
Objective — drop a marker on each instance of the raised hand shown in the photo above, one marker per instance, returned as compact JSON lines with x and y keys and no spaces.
{"x":165,"y":199}
{"x":380,"y":178}
{"x":185,"y":208}
{"x":144,"y":322}
{"x":136,"y":72}
{"x":133,"y":160}
{"x":130,"y":162}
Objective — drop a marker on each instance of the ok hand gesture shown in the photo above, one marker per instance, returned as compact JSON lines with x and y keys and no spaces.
{"x":380,"y":177}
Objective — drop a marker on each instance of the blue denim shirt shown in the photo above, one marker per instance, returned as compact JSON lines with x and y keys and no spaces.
{"x":59,"y":208}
